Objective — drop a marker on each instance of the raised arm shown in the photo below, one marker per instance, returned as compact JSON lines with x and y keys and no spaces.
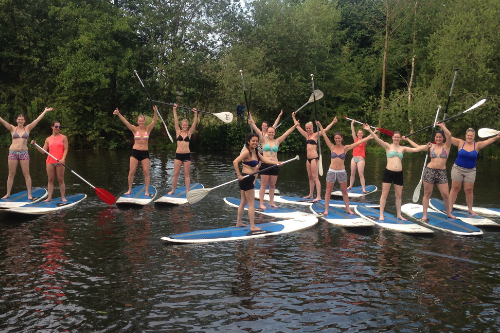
{"x":352,"y":146}
{"x":485,"y":143}
{"x":125,"y":121}
{"x":176,"y":121}
{"x":7,"y":125}
{"x":195,"y":121}
{"x":29,"y":127}
{"x":417,"y":149}
{"x":379,"y":140}
{"x":301,"y":131}
{"x":327,"y":140}
{"x":447,"y":135}
{"x":150,"y":127}
{"x":276,"y":122}
{"x":353,"y":132}
{"x":287,"y":133}
{"x":412,"y":143}
{"x":255,"y":128}
{"x":331,"y":124}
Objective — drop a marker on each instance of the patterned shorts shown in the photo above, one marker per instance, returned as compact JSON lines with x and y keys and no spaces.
{"x":336,"y":175}
{"x":435,"y":176}
{"x":465,"y":175}
{"x":18,"y":155}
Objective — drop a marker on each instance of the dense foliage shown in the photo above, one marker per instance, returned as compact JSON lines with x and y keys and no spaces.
{"x":386,"y":62}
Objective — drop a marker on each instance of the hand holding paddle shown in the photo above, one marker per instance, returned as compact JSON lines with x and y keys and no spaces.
{"x":382,"y":130}
{"x":317,"y":94}
{"x":225,"y":116}
{"x":101,"y":193}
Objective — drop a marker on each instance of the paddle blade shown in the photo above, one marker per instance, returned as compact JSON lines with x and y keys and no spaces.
{"x":416,"y":193}
{"x":320,"y":165}
{"x":226,"y":117}
{"x":194,"y":196}
{"x":478,"y":104}
{"x":105,"y":196}
{"x":317,"y":93}
{"x":385,"y":131}
{"x":487,"y":132}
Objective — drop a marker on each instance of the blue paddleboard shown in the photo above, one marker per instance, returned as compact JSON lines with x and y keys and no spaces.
{"x":463,"y":215}
{"x":137,"y":196}
{"x":42,"y":207}
{"x":339,"y":217}
{"x":270,"y":211}
{"x":21,"y":198}
{"x":390,"y":221}
{"x":179,"y":196}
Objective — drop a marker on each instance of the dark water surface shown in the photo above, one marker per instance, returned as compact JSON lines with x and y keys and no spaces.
{"x":96,"y":268}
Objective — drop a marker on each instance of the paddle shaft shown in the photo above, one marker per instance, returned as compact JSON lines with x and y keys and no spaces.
{"x":311,"y":99}
{"x":246,"y":100}
{"x":320,"y":166}
{"x":451,"y":91}
{"x":180,"y":106}
{"x":358,"y":122}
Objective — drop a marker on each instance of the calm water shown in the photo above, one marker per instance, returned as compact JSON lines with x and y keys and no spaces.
{"x":96,"y":268}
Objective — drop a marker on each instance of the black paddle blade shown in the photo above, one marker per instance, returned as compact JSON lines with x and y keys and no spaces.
{"x":105,"y":196}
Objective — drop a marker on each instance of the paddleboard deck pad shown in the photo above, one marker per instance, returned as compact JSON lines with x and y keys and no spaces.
{"x":339,"y":217}
{"x":137,"y":196}
{"x":465,"y":216}
{"x":390,"y":221}
{"x":41,"y":207}
{"x":179,"y":196}
{"x":239,"y":233}
{"x":440,"y":221}
{"x":357,"y":192}
{"x":270,"y":211}
{"x":21,"y":198}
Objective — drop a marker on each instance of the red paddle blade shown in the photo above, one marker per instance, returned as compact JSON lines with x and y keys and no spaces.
{"x":105,"y":196}
{"x":385,"y":131}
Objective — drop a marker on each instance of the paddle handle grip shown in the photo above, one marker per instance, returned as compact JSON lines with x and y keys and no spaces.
{"x":358,"y":122}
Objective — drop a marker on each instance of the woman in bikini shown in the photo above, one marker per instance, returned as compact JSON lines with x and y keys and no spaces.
{"x":358,"y":158}
{"x":250,"y":158}
{"x":263,"y":129}
{"x":464,"y":169}
{"x":56,"y":145}
{"x":270,"y":150}
{"x":182,"y":153}
{"x":337,"y":172}
{"x":312,"y":157}
{"x":394,"y":169}
{"x":18,"y":150}
{"x":140,"y":149}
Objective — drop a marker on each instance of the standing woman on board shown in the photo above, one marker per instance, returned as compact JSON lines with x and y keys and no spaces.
{"x":140,"y":149}
{"x":264,"y":126}
{"x":312,"y":157}
{"x":337,"y":172}
{"x":250,"y":158}
{"x":18,"y":150}
{"x":182,"y":153}
{"x":56,"y":145}
{"x":358,"y":158}
{"x":271,"y":152}
{"x":394,"y":169}
{"x":435,"y":171}
{"x":464,"y":169}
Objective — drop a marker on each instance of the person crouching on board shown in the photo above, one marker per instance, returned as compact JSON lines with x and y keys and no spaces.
{"x":56,"y":145}
{"x":140,"y":149}
{"x":337,"y":172}
{"x":250,"y":158}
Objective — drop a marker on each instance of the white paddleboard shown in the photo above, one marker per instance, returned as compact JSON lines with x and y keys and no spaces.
{"x":137,"y":196}
{"x":339,"y":217}
{"x":390,"y":221}
{"x":465,"y":216}
{"x":357,"y":192}
{"x":307,"y":202}
{"x":179,"y":196}
{"x":279,"y":212}
{"x":21,"y":198}
{"x":240,"y":233}
{"x":42,"y":207}
{"x":479,"y":210}
{"x":257,"y":188}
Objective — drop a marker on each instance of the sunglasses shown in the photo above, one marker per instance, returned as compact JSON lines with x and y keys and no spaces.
{"x":57,"y":126}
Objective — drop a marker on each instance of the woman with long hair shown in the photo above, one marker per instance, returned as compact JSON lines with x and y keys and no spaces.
{"x":358,"y":158}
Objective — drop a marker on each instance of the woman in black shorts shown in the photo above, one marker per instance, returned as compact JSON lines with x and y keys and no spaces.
{"x":250,"y":158}
{"x":182,"y":153}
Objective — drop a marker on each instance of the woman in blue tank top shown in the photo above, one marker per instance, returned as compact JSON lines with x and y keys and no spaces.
{"x":464,"y":169}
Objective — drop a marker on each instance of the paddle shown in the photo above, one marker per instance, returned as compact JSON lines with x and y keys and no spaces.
{"x":451,"y":91}
{"x":487,"y":132}
{"x":246,"y":100}
{"x":382,"y":130}
{"x":416,"y":193}
{"x":149,"y":97}
{"x":101,"y":193}
{"x":478,"y":104}
{"x":318,"y":94}
{"x":225,"y":116}
{"x":320,"y":161}
{"x":196,"y":195}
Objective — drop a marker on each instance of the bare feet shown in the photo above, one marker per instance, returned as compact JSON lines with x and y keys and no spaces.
{"x":473,"y":213}
{"x":317,"y":199}
{"x":349,"y":211}
{"x":240,"y":225}
{"x":325,"y":213}
{"x":146,"y":194}
{"x":451,"y":216}
{"x":273,"y":205}
{"x":255,"y":229}
{"x":127,"y":193}
{"x":6,"y":196}
{"x":171,"y":192}
{"x":349,"y":187}
{"x":308,"y":197}
{"x":47,"y":200}
{"x":381,"y":218}
{"x":401,"y":218}
{"x":262,"y":207}
{"x":364,"y":191}
{"x":30,"y":198}
{"x":63,"y":199}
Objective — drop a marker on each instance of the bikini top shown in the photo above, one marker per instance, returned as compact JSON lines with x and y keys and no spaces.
{"x":267,"y":147}
{"x":443,"y":154}
{"x":311,"y":142}
{"x":341,"y":156}
{"x":180,"y":138}
{"x":252,"y":163}
{"x":137,"y":136}
{"x":394,"y":153}
{"x":16,"y":135}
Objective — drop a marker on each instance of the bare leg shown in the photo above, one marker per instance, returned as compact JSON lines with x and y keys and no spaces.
{"x":51,"y":175}
{"x":428,"y":187}
{"x":343,"y":188}
{"x":361,"y":172}
{"x":353,"y":173}
{"x":177,"y":172}
{"x":241,"y":209}
{"x":147,"y":177}
{"x":311,"y":181}
{"x":187,"y":174}
{"x":328,"y":194}
{"x":469,"y":196}
{"x":314,"y":171}
{"x":443,"y":188}
{"x":272,"y":186}
{"x":10,"y":179}
{"x":133,"y":165}
{"x":399,"y":198}
{"x":455,"y":188}
{"x":250,"y":198}
{"x":383,"y":198}
{"x":264,"y":180}
{"x":60,"y":179}
{"x":25,"y":166}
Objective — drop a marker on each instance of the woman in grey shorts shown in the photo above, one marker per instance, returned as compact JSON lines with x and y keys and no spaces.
{"x":435,"y":171}
{"x":337,"y":172}
{"x":464,"y":169}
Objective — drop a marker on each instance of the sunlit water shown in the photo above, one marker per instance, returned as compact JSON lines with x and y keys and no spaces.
{"x":96,"y":268}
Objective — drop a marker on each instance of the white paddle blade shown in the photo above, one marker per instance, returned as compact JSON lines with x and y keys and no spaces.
{"x":194,"y":196}
{"x":226,"y":117}
{"x":317,"y":93}
{"x":487,"y":132}
{"x":416,"y":193}
{"x":320,"y":165}
{"x":478,"y":104}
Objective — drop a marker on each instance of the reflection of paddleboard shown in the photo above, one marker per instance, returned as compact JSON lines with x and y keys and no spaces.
{"x":461,"y":215}
{"x":257,"y":188}
{"x":357,"y":192}
{"x":179,"y":196}
{"x":390,"y":221}
{"x":480,"y":210}
{"x":234,"y":233}
{"x":270,"y":211}
{"x":42,"y":207}
{"x":21,"y":198}
{"x":137,"y":196}
{"x":339,"y":217}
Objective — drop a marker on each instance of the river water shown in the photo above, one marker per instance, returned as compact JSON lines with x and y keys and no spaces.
{"x":99,"y":268}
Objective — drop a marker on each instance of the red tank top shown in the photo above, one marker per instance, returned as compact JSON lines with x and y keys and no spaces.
{"x":56,"y":148}
{"x":359,"y":150}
